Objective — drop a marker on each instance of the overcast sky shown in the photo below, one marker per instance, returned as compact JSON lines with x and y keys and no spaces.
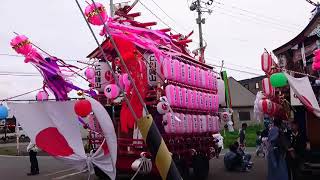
{"x":236,"y":31}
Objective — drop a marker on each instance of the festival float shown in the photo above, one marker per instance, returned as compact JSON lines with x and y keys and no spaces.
{"x":151,"y":107}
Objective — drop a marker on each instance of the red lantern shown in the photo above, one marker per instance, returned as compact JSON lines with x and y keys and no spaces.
{"x":267,"y":88}
{"x":266,"y":62}
{"x":269,"y":107}
{"x":83,"y":108}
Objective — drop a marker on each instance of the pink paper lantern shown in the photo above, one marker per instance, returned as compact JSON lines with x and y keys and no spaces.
{"x":316,"y":60}
{"x":168,"y":69}
{"x":199,"y":75}
{"x":193,"y":75}
{"x":180,"y":128}
{"x":42,"y":96}
{"x":177,"y":70}
{"x":189,"y":99}
{"x":89,"y":73}
{"x":94,"y":12}
{"x":183,"y":97}
{"x":111,"y":91}
{"x":204,"y":78}
{"x":21,"y":45}
{"x":195,"y":128}
{"x":189,"y":123}
{"x":209,"y":120}
{"x":267,"y":87}
{"x":170,"y":93}
{"x":184,"y":72}
{"x":189,"y":75}
{"x":177,"y":96}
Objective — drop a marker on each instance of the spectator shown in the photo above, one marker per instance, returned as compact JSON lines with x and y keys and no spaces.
{"x":277,"y":168}
{"x":246,"y":158}
{"x":242,"y":134}
{"x":33,"y":149}
{"x":296,"y":151}
{"x":232,"y":160}
{"x":259,"y":146}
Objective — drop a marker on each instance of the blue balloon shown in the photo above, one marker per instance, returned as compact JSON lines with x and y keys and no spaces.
{"x":3,"y":112}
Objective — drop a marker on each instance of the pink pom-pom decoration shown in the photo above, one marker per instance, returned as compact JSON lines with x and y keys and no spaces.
{"x":42,"y":96}
{"x":93,"y":13}
{"x":21,"y":45}
{"x":111,"y":91}
{"x":162,"y":107}
{"x":316,"y":60}
{"x":89,"y":73}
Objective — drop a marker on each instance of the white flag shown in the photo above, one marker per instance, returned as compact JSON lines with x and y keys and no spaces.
{"x":301,"y":87}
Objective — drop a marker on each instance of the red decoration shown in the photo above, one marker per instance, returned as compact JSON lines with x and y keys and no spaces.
{"x":83,"y":108}
{"x":266,"y":62}
{"x":268,"y":90}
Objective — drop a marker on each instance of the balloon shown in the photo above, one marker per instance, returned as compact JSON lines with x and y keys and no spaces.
{"x":42,"y":96}
{"x":163,"y":107}
{"x":93,"y":14}
{"x":3,"y":112}
{"x":21,"y":45}
{"x":89,"y":73}
{"x":83,"y":108}
{"x":278,"y":80}
{"x":111,"y":91}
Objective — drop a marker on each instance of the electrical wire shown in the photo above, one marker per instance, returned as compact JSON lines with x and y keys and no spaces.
{"x":14,"y":55}
{"x":180,"y":25}
{"x":157,"y":17}
{"x":253,"y":20}
{"x":259,"y":15}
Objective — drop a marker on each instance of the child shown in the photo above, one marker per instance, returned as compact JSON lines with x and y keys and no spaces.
{"x":259,"y":148}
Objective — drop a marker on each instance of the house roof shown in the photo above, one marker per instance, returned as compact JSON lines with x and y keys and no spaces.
{"x":254,"y":79}
{"x":315,"y":21}
{"x":240,"y":96}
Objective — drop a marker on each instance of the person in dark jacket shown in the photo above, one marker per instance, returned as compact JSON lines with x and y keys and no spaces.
{"x":242,"y":134}
{"x":296,"y":151}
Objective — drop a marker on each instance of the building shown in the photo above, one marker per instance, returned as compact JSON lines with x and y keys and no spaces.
{"x":253,"y":84}
{"x":297,"y":55}
{"x":242,"y":104}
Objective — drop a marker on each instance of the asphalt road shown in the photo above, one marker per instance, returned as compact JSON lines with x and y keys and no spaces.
{"x":16,"y":168}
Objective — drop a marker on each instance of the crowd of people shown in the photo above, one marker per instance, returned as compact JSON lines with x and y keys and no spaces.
{"x":283,"y":145}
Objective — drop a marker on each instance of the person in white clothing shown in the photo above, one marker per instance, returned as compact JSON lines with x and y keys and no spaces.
{"x":33,"y":149}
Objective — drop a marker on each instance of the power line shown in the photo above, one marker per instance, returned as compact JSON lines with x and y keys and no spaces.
{"x":237,"y":70}
{"x":256,"y":22}
{"x":228,"y":62}
{"x":157,"y":17}
{"x":259,"y":14}
{"x":170,"y":16}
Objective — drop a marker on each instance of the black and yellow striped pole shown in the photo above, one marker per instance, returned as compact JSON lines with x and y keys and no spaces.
{"x":158,"y":149}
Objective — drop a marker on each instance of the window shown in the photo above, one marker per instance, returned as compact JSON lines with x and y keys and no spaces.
{"x":244,"y":116}
{"x":246,"y":86}
{"x":257,"y":85}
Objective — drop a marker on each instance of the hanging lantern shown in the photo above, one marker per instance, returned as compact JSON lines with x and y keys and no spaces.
{"x":266,"y":62}
{"x":103,"y":75}
{"x":21,"y":45}
{"x":42,"y":96}
{"x":266,"y":106}
{"x":89,"y":73}
{"x":83,"y":108}
{"x":267,"y":88}
{"x":112,"y":91}
{"x":3,"y":112}
{"x":316,"y":60}
{"x":278,"y":80}
{"x":94,"y":13}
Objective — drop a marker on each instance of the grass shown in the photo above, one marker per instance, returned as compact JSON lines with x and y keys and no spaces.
{"x":230,"y":137}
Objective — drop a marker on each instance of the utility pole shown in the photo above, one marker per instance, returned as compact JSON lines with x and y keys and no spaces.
{"x":199,"y":6}
{"x":199,"y":22}
{"x":111,"y":8}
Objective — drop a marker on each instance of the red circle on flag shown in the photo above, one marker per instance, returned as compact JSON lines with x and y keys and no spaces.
{"x":52,"y":141}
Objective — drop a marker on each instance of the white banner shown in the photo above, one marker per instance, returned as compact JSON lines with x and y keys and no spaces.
{"x":301,"y":87}
{"x":294,"y":100}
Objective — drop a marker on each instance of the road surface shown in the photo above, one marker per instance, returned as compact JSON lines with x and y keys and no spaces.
{"x":16,"y":168}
